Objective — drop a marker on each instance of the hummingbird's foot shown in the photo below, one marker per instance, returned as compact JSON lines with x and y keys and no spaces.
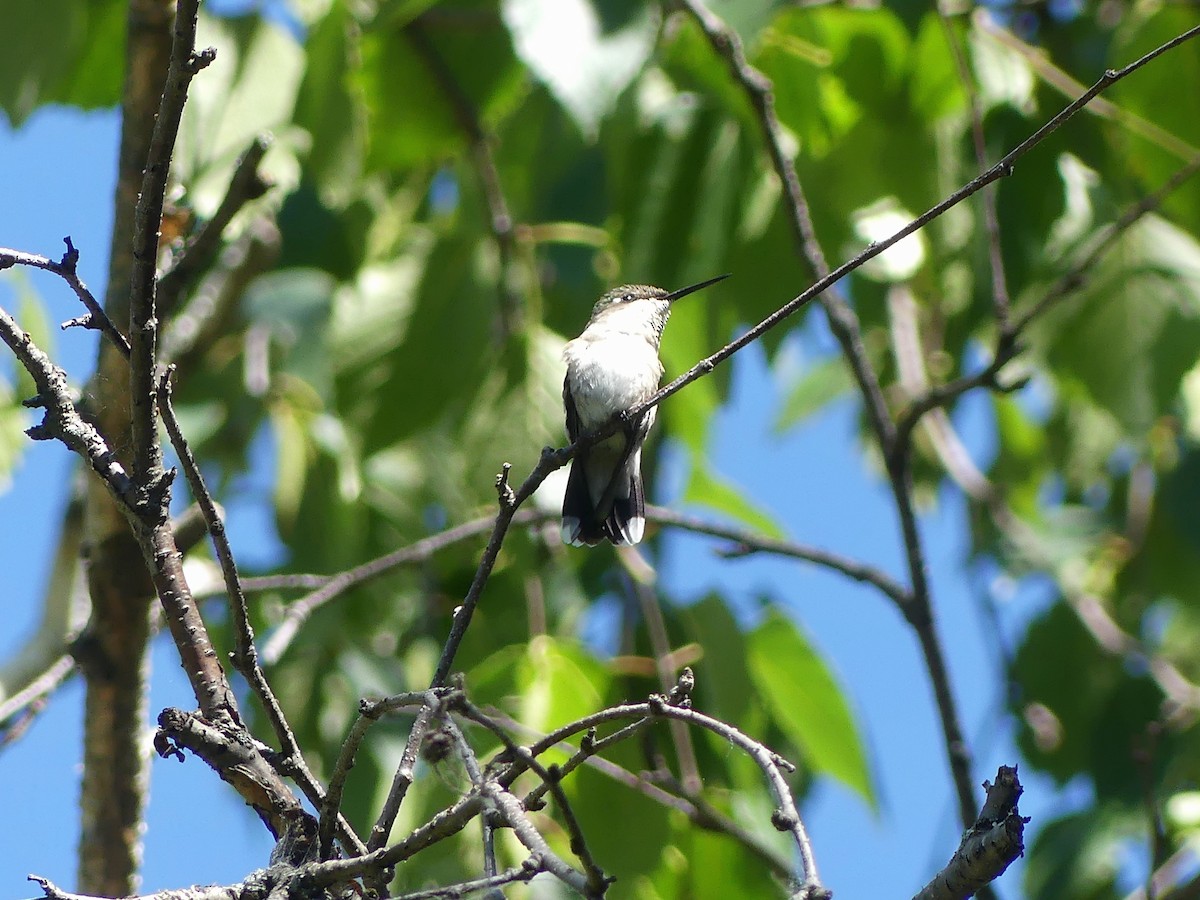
{"x":628,"y":421}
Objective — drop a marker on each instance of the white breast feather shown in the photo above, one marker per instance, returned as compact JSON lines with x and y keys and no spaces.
{"x":614,"y":373}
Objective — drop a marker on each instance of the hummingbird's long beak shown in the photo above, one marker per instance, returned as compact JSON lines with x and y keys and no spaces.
{"x":683,"y":292}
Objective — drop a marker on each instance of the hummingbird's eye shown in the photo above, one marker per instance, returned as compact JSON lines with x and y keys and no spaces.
{"x":627,"y":298}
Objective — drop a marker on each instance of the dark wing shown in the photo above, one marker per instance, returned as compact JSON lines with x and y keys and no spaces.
{"x":572,"y":413}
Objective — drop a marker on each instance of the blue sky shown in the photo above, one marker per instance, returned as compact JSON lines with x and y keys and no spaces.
{"x":56,"y":177}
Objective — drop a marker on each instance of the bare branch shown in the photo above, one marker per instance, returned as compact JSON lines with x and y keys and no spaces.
{"x":242,"y":891}
{"x":244,"y":656}
{"x":62,"y":419}
{"x":143,"y":317}
{"x":551,"y":777}
{"x":201,"y":248}
{"x":695,"y":807}
{"x":66,"y":269}
{"x":989,"y":846}
{"x":509,"y":501}
{"x":513,"y":814}
{"x":368,"y":714}
{"x":532,"y":866}
{"x":18,"y":711}
{"x":785,"y":818}
{"x":747,"y":542}
{"x":329,"y":587}
{"x":499,"y":219}
{"x":401,"y":781}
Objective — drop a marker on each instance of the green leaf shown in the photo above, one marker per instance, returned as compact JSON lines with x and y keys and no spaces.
{"x":1078,"y":855}
{"x":710,"y":489}
{"x":1142,"y":306}
{"x":249,"y":91}
{"x":807,"y":703}
{"x":435,"y":373}
{"x":721,"y":675}
{"x":1089,"y":718}
{"x":714,"y":862}
{"x":410,"y":117}
{"x":558,"y":683}
{"x":293,"y":306}
{"x":328,"y":106}
{"x":60,"y":51}
{"x":585,"y":53}
{"x":14,"y":419}
{"x":821,"y":383}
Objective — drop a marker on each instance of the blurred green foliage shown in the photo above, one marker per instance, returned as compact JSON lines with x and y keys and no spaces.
{"x":376,"y":358}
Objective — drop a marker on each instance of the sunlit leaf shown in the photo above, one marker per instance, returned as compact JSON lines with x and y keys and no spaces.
{"x":709,"y":489}
{"x":817,"y":386}
{"x":807,"y":702}
{"x":586,"y":53}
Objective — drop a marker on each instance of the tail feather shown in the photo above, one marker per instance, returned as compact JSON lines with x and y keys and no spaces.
{"x":579,"y":523}
{"x":604,"y":499}
{"x":626,"y":522}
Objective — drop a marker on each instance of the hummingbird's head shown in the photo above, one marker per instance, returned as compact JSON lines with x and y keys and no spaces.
{"x":643,"y":301}
{"x":630,"y":294}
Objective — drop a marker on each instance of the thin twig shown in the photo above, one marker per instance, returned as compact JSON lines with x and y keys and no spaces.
{"x":552,"y":778}
{"x":1001,"y":304}
{"x":368,"y":714}
{"x":509,"y":500}
{"x":500,"y":221}
{"x":244,"y":656}
{"x":447,"y":822}
{"x":747,"y":542}
{"x":201,"y":248}
{"x":18,"y":711}
{"x":525,"y":872}
{"x":67,"y":269}
{"x":143,"y":317}
{"x":62,"y":419}
{"x":329,"y":587}
{"x":471,"y":763}
{"x":660,"y":647}
{"x":699,"y":811}
{"x":514,"y":816}
{"x":401,"y":781}
{"x":785,"y":818}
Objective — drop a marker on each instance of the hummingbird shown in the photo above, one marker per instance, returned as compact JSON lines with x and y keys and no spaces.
{"x":612,"y":367}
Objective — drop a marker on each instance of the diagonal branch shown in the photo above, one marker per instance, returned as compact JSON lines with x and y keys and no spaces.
{"x":747,"y":542}
{"x":143,"y":321}
{"x":245,"y":657}
{"x":500,"y":221}
{"x":201,"y":248}
{"x":66,"y":269}
{"x":988,"y":847}
{"x":551,"y":777}
{"x":1001,"y":302}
